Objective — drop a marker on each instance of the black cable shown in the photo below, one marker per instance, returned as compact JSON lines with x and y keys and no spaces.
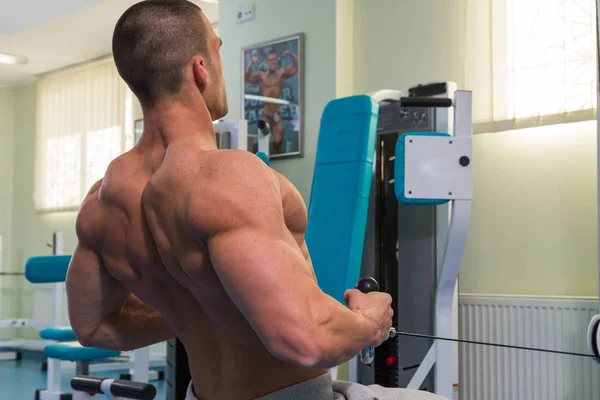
{"x":494,"y":344}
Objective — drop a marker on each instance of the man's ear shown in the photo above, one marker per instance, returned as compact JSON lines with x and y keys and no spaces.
{"x":200,"y":72}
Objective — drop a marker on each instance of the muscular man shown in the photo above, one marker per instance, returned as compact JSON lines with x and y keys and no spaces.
{"x":181,"y":239}
{"x":271,"y":84}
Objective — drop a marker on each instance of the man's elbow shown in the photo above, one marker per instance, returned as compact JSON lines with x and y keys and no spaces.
{"x":96,"y":336}
{"x":301,"y":346}
{"x":85,"y":336}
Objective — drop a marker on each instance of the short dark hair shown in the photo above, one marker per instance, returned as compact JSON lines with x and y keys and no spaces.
{"x":153,"y":41}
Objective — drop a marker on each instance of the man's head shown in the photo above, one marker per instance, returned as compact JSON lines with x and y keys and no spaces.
{"x":272,"y":60}
{"x":165,"y":48}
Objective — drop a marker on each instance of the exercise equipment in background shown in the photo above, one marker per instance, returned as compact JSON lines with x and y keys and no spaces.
{"x":87,"y":387}
{"x":405,"y":244}
{"x":339,"y":200}
{"x":53,"y":269}
{"x":13,"y":347}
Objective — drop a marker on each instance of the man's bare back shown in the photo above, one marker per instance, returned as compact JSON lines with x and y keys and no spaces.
{"x":140,"y":208}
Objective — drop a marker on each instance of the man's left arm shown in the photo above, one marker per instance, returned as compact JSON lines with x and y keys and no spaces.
{"x":290,"y":70}
{"x":103,"y":313}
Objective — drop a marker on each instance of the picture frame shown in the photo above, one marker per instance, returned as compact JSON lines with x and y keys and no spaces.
{"x":275,"y":69}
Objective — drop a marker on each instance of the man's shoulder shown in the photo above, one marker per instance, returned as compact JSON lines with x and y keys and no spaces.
{"x":232,"y":183}
{"x":228,"y":173}
{"x":90,"y":217}
{"x":216,"y":165}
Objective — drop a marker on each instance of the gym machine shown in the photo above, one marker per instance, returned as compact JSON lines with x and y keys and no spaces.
{"x":87,"y":387}
{"x":11,"y":348}
{"x":405,"y":244}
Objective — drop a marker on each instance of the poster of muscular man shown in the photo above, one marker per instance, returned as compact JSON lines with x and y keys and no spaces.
{"x":272,"y":92}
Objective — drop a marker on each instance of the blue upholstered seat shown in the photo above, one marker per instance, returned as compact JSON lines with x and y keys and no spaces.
{"x":340,"y":192}
{"x":47,"y":269}
{"x":73,"y":351}
{"x":60,"y":334}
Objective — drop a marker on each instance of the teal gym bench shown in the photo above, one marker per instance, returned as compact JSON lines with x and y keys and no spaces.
{"x":53,"y":269}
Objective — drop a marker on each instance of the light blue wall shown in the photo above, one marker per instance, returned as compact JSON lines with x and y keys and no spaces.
{"x":402,"y":43}
{"x":7,"y":136}
{"x":534,"y":227}
{"x":275,"y":19}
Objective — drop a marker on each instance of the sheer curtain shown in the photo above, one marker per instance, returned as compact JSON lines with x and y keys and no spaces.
{"x":531,"y":62}
{"x":532,"y":67}
{"x":81,"y":116}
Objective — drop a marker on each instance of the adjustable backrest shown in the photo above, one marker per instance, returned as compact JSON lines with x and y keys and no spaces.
{"x":47,"y":269}
{"x":340,"y":192}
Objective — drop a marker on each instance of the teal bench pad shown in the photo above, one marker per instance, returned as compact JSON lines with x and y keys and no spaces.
{"x":340,"y":192}
{"x":61,"y":334}
{"x":47,"y":269}
{"x":264,"y":157}
{"x":73,"y":351}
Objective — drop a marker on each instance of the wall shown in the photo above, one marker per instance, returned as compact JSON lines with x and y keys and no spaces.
{"x":7,"y":134}
{"x":402,"y":43}
{"x":274,"y":19}
{"x":534,"y":218}
{"x":344,"y":44}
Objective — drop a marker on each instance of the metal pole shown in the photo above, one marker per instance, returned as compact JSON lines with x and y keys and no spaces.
{"x":58,"y":247}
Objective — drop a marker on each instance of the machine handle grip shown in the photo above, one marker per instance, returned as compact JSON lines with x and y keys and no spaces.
{"x":425,"y":102}
{"x":119,"y":388}
{"x":367,"y":285}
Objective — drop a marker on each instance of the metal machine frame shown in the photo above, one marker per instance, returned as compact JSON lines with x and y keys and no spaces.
{"x":407,"y":251}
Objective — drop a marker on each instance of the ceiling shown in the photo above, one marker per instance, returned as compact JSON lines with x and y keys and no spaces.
{"x":58,"y":33}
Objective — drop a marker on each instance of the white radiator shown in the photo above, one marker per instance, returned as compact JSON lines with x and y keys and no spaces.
{"x":492,"y":373}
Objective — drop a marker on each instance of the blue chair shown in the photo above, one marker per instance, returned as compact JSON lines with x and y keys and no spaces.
{"x":53,"y":269}
{"x":340,"y":192}
{"x":340,"y":195}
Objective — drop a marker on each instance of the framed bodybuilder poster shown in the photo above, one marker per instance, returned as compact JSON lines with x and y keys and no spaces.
{"x":272,"y":92}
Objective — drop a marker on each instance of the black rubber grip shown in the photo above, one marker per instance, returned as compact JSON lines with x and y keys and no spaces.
{"x":367,"y":285}
{"x":127,"y":389}
{"x":133,"y":390}
{"x":89,"y":384}
{"x":425,"y":102}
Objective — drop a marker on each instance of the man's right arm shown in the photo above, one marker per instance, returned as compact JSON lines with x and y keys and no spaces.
{"x":252,"y":77}
{"x":264,"y":272}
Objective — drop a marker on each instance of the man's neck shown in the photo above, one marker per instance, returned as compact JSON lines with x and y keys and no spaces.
{"x":168,"y":122}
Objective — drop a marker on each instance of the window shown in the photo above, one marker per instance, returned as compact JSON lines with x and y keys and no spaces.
{"x":532,"y":67}
{"x":531,"y":62}
{"x":81,"y":120}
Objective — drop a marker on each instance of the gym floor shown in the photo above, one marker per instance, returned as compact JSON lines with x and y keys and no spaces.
{"x":20,"y":379}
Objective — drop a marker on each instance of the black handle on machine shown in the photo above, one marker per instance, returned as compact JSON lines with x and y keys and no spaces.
{"x":126,"y":389}
{"x":367,"y":285}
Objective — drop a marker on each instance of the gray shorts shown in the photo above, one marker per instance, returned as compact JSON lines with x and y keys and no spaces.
{"x":323,"y":388}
